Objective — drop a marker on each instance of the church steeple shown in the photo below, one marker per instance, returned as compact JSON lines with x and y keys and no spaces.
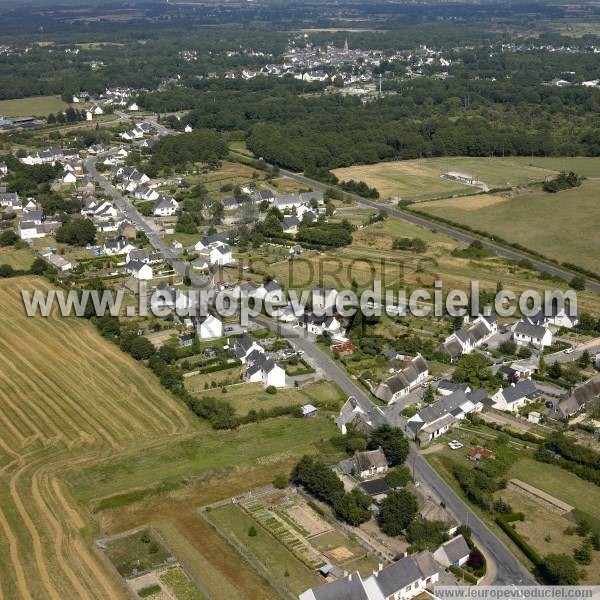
{"x":346,"y":46}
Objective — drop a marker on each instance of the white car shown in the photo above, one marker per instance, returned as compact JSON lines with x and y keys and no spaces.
{"x":569,"y":350}
{"x":455,"y":445}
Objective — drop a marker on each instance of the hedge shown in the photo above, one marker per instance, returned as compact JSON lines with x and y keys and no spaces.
{"x":505,"y":524}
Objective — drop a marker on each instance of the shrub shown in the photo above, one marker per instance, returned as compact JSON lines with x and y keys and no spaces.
{"x":271,"y":389}
{"x":252,"y":531}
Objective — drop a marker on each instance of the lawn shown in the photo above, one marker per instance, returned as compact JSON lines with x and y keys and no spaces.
{"x":560,"y":483}
{"x":252,"y":396}
{"x":36,"y":106}
{"x":203,"y":455}
{"x":20,"y":259}
{"x":563,"y":226}
{"x":421,"y":179}
{"x":263,"y":551}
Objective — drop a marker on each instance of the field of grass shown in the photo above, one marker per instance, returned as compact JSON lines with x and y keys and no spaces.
{"x":20,"y":259}
{"x":560,"y":483}
{"x":67,"y":399}
{"x":422,"y":179}
{"x":36,"y":106}
{"x":545,"y":530}
{"x":563,"y":226}
{"x":252,"y":396}
{"x":284,"y":569}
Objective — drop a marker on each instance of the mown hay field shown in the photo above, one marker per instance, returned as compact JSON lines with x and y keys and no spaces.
{"x":67,"y":399}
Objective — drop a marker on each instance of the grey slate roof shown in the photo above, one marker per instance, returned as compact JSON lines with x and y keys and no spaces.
{"x":456,"y":548}
{"x":348,"y":588}
{"x":535,"y":332}
{"x":522,"y":389}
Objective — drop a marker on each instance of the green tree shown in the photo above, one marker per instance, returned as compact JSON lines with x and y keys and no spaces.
{"x":398,"y":476}
{"x":393,"y":443}
{"x":8,"y":238}
{"x":555,"y":371}
{"x":426,"y":535}
{"x":584,"y":360}
{"x":397,"y":512}
{"x":141,"y":348}
{"x":354,"y":507}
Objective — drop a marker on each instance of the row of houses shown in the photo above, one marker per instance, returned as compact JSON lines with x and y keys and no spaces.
{"x":412,"y":374}
{"x":402,"y":580}
{"x":438,"y":417}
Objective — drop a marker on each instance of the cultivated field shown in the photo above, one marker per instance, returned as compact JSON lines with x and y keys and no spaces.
{"x":422,"y":179}
{"x":67,"y":399}
{"x":563,"y":226}
{"x":17,"y":259}
{"x":36,"y":106}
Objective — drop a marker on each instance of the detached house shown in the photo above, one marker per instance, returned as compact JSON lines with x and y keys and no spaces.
{"x":526,"y":334}
{"x":369,"y":463}
{"x":263,"y":369}
{"x":220,"y":255}
{"x":245,"y":345}
{"x":11,"y":200}
{"x":453,"y":553}
{"x":209,"y":327}
{"x":470,"y":337}
{"x":404,"y":381}
{"x":360,"y":414}
{"x":323,"y":324}
{"x":165,"y":207}
{"x":140,"y":270}
{"x":516,"y":395}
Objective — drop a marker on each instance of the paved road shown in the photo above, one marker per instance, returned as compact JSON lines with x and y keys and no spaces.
{"x":560,"y":357}
{"x":509,"y":570}
{"x":445,"y":229}
{"x":132,"y":214}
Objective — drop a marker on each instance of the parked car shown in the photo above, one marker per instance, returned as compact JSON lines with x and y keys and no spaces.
{"x":569,"y":350}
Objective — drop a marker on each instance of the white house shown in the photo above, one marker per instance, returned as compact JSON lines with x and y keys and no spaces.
{"x":59,"y":262}
{"x":246,"y":345}
{"x":133,"y":107}
{"x":407,"y":379}
{"x":270,"y":290}
{"x":188,"y":128}
{"x":525,"y":333}
{"x":69,"y":178}
{"x":209,"y":327}
{"x":31,"y":231}
{"x":516,"y":395}
{"x":320,"y":325}
{"x":369,"y":463}
{"x":263,"y":369}
{"x":470,"y":337}
{"x":402,"y":580}
{"x":165,"y":207}
{"x":147,"y":194}
{"x":453,"y":553}
{"x":140,"y":270}
{"x":220,"y":255}
{"x":118,"y":246}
